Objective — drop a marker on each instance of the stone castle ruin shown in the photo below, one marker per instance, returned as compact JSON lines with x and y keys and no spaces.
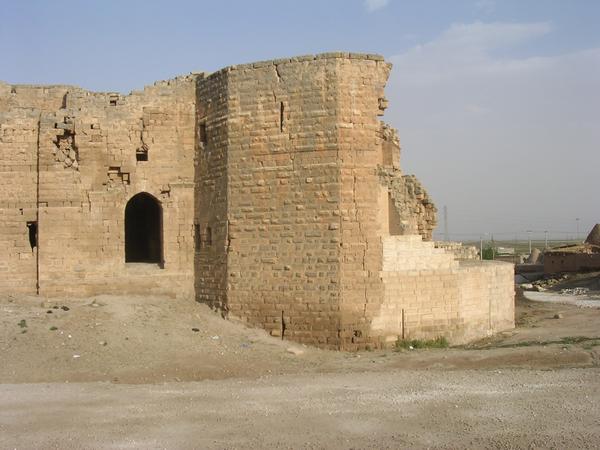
{"x":270,"y":191}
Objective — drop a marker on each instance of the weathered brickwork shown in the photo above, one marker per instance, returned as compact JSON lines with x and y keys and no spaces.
{"x":69,"y":164}
{"x":428,"y":293}
{"x":271,"y":191}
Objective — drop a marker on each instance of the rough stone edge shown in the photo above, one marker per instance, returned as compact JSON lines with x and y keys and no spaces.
{"x":230,"y":68}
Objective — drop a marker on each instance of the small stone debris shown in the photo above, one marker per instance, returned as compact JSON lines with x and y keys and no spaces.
{"x":76,"y":356}
{"x":215,"y":338}
{"x":55,"y":307}
{"x":65,"y":308}
{"x":103,"y":343}
{"x":295,"y":351}
{"x":558,"y":316}
{"x":195,"y":330}
{"x":49,"y":311}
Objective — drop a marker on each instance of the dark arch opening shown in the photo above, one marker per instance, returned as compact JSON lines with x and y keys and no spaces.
{"x":143,"y":229}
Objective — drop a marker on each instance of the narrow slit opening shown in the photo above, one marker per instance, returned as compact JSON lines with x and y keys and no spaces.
{"x":197,"y":237}
{"x":281,"y":111}
{"x":202,"y":133}
{"x":32,"y":230}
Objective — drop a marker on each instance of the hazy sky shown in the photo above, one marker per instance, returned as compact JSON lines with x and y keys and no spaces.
{"x":497,"y":102}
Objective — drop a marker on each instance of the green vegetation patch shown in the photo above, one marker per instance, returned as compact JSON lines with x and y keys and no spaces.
{"x":410,"y":344}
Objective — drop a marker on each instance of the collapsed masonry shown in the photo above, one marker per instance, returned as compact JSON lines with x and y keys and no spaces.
{"x":269,"y":190}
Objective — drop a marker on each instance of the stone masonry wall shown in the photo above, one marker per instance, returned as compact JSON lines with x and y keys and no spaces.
{"x":283,"y":198}
{"x":429,"y":294}
{"x":211,"y":192}
{"x":18,"y":194}
{"x":69,"y":164}
{"x":361,"y":102}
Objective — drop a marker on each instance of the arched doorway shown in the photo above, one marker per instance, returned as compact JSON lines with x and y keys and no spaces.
{"x":143,"y":229}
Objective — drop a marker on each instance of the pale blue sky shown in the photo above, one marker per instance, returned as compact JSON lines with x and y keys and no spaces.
{"x":497,"y":102}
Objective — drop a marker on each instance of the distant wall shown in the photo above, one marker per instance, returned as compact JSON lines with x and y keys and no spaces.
{"x":570,"y":262}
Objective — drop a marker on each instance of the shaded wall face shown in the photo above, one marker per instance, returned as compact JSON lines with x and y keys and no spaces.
{"x":210,"y":194}
{"x":283,"y":199}
{"x":80,"y":170}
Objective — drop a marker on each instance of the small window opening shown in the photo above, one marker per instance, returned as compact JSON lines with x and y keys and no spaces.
{"x":32,"y":230}
{"x":281,"y":111}
{"x":141,"y":154}
{"x":208,"y":238}
{"x":197,"y":237}
{"x":202,"y":133}
{"x":113,"y":102}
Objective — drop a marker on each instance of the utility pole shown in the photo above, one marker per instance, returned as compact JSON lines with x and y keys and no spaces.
{"x":480,"y":247}
{"x":446,"y":224}
{"x":546,"y":239}
{"x":529,"y":237}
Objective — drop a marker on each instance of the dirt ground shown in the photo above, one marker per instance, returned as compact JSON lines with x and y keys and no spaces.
{"x":152,"y":372}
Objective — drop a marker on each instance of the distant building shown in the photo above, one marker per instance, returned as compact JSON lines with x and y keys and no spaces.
{"x":505,"y":251}
{"x":576,"y":257}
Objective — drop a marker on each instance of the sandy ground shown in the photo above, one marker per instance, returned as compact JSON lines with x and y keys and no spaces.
{"x":152,"y":372}
{"x":393,"y":409}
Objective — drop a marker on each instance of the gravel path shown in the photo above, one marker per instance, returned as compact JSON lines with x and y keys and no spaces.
{"x":395,"y":409}
{"x":586,"y":301}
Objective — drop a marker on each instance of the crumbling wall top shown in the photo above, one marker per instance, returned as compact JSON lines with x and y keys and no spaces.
{"x":302,"y":58}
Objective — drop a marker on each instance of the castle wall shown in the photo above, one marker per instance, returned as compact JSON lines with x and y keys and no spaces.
{"x":74,"y":154}
{"x":283,"y":199}
{"x":430,"y":294}
{"x":211,"y":191}
{"x":18,"y":161}
{"x":361,"y":102}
